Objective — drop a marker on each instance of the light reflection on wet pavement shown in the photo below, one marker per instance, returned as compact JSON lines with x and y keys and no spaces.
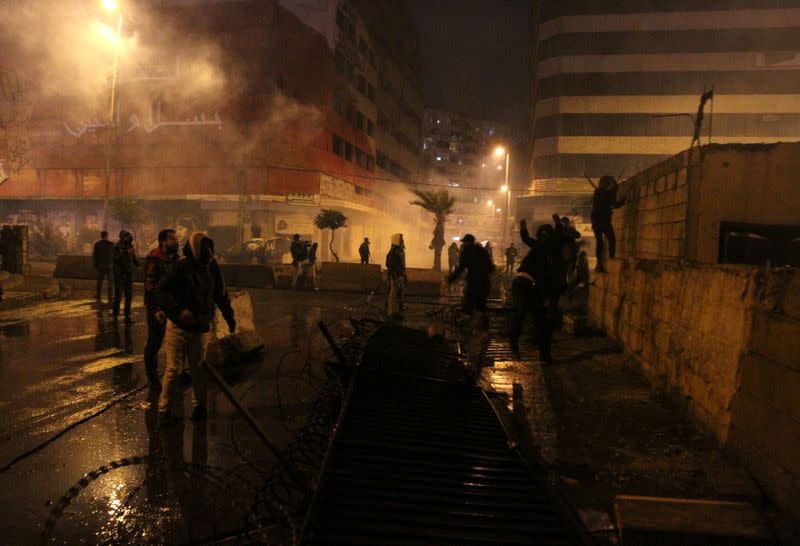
{"x":66,"y":360}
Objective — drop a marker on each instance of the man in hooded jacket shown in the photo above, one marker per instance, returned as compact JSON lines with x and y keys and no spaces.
{"x":478,"y":264}
{"x":189,"y":295}
{"x":396,"y":273}
{"x":534,"y":286}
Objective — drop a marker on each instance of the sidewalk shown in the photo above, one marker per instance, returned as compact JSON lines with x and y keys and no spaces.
{"x":603,"y":431}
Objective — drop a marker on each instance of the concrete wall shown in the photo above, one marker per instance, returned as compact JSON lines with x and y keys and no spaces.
{"x":674,"y":209}
{"x":652,"y":223}
{"x":765,"y":428}
{"x":757,"y":184}
{"x":727,"y":339}
{"x":686,"y":325}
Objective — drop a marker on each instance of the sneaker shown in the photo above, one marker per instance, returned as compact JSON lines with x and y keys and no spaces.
{"x":199,"y":413}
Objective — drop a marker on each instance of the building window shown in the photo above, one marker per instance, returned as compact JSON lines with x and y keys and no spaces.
{"x":338,"y":145}
{"x":361,"y":121}
{"x":348,"y":151}
{"x":370,"y":127}
{"x":371,"y":92}
{"x":361,"y":158}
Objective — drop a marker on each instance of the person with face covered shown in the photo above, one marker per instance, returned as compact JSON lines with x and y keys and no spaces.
{"x":534,"y":286}
{"x":188,"y":296}
{"x":124,"y":266}
{"x":156,"y":266}
{"x":478,"y":264}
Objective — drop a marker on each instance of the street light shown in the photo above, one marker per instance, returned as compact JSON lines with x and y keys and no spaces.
{"x":501,"y":151}
{"x":111,"y":5}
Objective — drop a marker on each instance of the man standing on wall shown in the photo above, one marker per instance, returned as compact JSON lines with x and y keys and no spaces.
{"x":158,"y":263}
{"x":603,"y":204}
{"x":103,"y":256}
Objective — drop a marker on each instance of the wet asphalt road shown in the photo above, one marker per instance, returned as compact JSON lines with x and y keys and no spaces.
{"x":65,"y":361}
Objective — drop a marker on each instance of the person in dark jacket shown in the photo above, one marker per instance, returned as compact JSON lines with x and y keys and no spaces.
{"x":603,"y":204}
{"x":534,"y":286}
{"x":189,"y":295}
{"x":396,"y":273}
{"x":299,"y":251}
{"x":10,"y":246}
{"x":363,"y":251}
{"x":478,"y":265}
{"x":511,"y":256}
{"x":489,"y":250}
{"x":125,"y":264}
{"x":103,"y":257}
{"x":156,"y":266}
{"x":452,"y":257}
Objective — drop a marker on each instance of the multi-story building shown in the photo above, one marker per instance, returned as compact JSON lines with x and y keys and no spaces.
{"x":458,"y":153}
{"x":615,"y":84}
{"x":242,"y":116}
{"x":399,"y":90}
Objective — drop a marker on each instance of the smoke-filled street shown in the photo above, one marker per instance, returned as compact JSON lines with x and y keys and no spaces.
{"x":409,"y":272}
{"x":75,"y":398}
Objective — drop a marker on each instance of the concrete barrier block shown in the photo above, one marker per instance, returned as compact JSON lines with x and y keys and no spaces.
{"x":424,"y":282}
{"x":248,"y":275}
{"x":242,"y":310}
{"x":350,"y":277}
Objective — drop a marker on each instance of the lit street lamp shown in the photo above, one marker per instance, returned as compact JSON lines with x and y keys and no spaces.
{"x":500,"y":151}
{"x":111,"y":5}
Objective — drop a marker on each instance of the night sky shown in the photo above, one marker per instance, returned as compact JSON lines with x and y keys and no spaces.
{"x":475,"y":57}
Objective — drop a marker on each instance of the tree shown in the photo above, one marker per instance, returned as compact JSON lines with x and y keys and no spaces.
{"x":128,"y":212}
{"x":332,"y":220}
{"x":440,"y":204}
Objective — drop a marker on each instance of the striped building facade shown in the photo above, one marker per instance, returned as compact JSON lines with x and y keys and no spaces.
{"x":613,"y":80}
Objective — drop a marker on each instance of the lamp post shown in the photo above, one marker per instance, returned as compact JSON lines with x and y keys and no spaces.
{"x":111,"y":5}
{"x":500,"y":151}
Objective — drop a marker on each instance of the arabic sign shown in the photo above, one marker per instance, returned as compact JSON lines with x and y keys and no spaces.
{"x":302,"y":199}
{"x":333,"y":187}
{"x":135,"y":123}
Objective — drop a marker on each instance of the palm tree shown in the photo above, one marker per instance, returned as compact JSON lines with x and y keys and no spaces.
{"x":440,"y":204}
{"x":333,"y":220}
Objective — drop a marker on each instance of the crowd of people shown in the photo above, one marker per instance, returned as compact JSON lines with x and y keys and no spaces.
{"x":181,"y":296}
{"x":182,"y":293}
